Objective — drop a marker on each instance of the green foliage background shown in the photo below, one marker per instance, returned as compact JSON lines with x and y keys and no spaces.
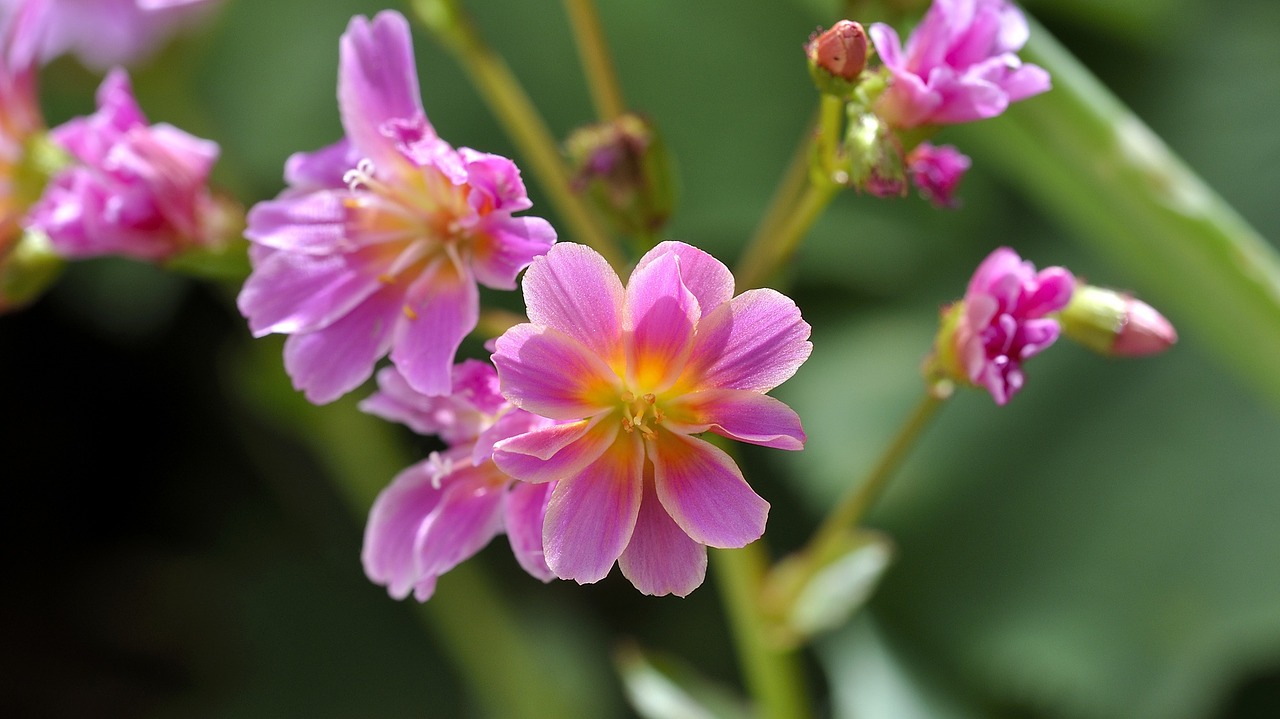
{"x":1105,"y":546}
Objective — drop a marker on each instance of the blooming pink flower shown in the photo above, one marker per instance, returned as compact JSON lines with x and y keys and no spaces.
{"x":960,"y":64}
{"x":103,"y":33}
{"x":635,"y":372}
{"x":443,"y":510}
{"x":936,"y":170}
{"x":134,"y":190}
{"x":381,"y":238}
{"x":1002,"y":321}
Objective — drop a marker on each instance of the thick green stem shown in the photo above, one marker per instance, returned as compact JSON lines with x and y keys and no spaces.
{"x":1089,"y":161}
{"x":518,"y":117}
{"x":773,"y":674}
{"x":597,"y":64}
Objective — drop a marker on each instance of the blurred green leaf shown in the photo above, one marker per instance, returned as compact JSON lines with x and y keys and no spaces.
{"x":662,"y":688}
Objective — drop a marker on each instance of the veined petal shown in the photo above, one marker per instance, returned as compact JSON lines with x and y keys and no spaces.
{"x":313,"y":223}
{"x":574,"y":290}
{"x":705,"y":276}
{"x":290,"y":292}
{"x":703,"y":490}
{"x":660,"y":316}
{"x":591,"y":515}
{"x":468,"y":516}
{"x":738,"y":414}
{"x":525,"y":510}
{"x":394,"y":523}
{"x":325,"y":168}
{"x":332,"y":361}
{"x":441,"y":308}
{"x":547,"y":372}
{"x":501,"y":248}
{"x":661,"y":559}
{"x":556,"y":452}
{"x":377,"y":82}
{"x":756,"y":341}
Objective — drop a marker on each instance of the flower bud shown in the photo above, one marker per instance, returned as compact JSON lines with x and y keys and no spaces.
{"x":837,"y":56}
{"x":623,"y":166}
{"x":875,"y":157}
{"x":1115,"y":324}
{"x":936,"y":171}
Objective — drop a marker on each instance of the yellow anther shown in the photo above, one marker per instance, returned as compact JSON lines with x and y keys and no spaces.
{"x":628,"y":397}
{"x":410,"y":313}
{"x":650,"y":398}
{"x":647,"y":432}
{"x":626,"y":424}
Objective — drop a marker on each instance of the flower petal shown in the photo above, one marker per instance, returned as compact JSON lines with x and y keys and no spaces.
{"x":377,"y":82}
{"x":441,"y":308}
{"x":661,"y":559}
{"x":468,"y":516}
{"x":591,"y":515}
{"x":556,"y":452}
{"x":395,"y":520}
{"x":525,"y":510}
{"x":660,"y":316}
{"x":311,"y":223}
{"x":547,"y":372}
{"x":325,"y":168}
{"x":755,"y":342}
{"x":332,"y":361}
{"x":705,"y":276}
{"x":704,"y":492}
{"x":290,"y":292}
{"x":738,"y":414}
{"x":504,"y":247}
{"x":574,"y":290}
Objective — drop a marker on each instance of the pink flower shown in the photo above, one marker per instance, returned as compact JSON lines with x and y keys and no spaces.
{"x":135,"y":189}
{"x":381,"y":238}
{"x":635,"y":372}
{"x":960,"y":65}
{"x":20,"y":119}
{"x":936,"y":170}
{"x":1002,"y":321}
{"x":443,"y":510}
{"x":103,"y":33}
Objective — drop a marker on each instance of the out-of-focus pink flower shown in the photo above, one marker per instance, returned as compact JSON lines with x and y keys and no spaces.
{"x":1002,"y":322}
{"x":104,"y":33}
{"x":441,"y":511}
{"x":960,"y":64}
{"x":936,"y":170}
{"x":20,"y":118}
{"x":635,"y":373}
{"x":134,"y":189}
{"x":381,"y":238}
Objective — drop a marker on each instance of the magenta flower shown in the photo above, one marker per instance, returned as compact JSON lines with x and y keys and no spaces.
{"x":443,"y":510}
{"x":634,"y":373}
{"x":381,"y":238}
{"x":960,"y":64}
{"x":103,"y":33}
{"x":936,"y":171}
{"x":135,"y":189}
{"x":1003,"y":322}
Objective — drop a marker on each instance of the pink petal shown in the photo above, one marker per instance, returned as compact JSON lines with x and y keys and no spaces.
{"x":502,"y":248}
{"x":660,"y":315}
{"x":755,"y":342}
{"x":311,"y":223}
{"x":525,"y":510}
{"x":556,"y":452}
{"x":705,"y":276}
{"x":441,"y":308}
{"x":738,"y":414}
{"x":377,"y":82}
{"x":547,"y":372}
{"x":332,"y":361}
{"x":703,"y":490}
{"x":574,"y":290}
{"x":323,"y":169}
{"x":591,"y":515}
{"x":290,"y":292}
{"x":495,"y":183}
{"x":888,"y":45}
{"x":661,"y":559}
{"x":398,"y":515}
{"x":468,"y":516}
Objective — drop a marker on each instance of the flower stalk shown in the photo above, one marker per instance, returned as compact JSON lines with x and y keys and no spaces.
{"x":597,"y":64}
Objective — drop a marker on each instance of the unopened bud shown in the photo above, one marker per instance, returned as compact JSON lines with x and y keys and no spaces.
{"x":1115,"y":324}
{"x":837,"y":57}
{"x":623,"y":166}
{"x":936,"y":171}
{"x":875,"y":157}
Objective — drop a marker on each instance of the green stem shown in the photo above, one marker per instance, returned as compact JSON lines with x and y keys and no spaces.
{"x":766,"y":255}
{"x":794,"y":180}
{"x":850,"y":511}
{"x":1089,"y":161}
{"x":602,"y":79}
{"x":519,"y":118}
{"x":773,"y":674}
